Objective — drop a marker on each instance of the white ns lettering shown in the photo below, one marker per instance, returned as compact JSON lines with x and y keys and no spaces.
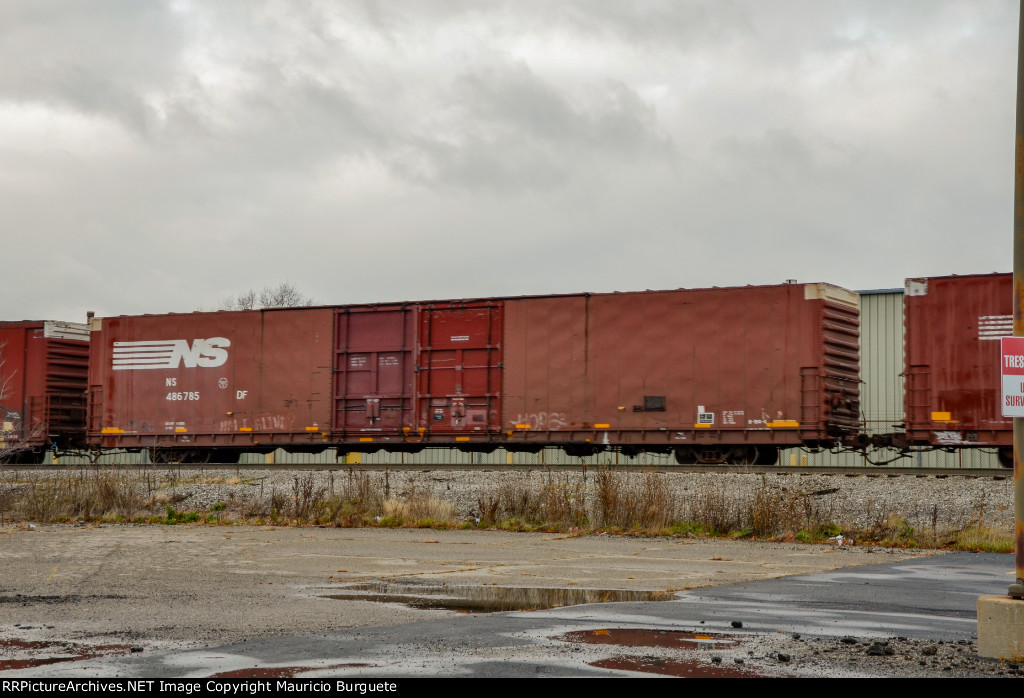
{"x":170,"y":354}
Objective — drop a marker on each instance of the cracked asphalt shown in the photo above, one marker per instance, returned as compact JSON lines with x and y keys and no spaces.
{"x":174,"y":601}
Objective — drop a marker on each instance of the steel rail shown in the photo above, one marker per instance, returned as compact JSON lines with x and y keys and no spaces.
{"x":849,"y":471}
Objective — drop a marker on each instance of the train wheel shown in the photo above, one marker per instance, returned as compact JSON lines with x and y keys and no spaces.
{"x":164,"y":455}
{"x":177,"y":456}
{"x":743,"y":455}
{"x":1006,"y":457}
{"x":706,"y":455}
{"x":24,"y":456}
{"x":713,"y":456}
{"x":685,"y":456}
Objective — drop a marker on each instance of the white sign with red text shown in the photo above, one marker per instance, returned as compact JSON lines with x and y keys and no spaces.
{"x":1011,"y":363}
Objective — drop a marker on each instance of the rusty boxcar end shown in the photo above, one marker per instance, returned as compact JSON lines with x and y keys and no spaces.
{"x":719,"y":375}
{"x":43,"y":366}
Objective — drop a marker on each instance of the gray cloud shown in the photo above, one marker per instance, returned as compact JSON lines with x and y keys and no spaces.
{"x":161,"y":156}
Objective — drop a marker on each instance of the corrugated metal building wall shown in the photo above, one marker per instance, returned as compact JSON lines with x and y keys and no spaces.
{"x":881,"y":356}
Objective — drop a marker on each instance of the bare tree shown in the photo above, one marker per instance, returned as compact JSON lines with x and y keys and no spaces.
{"x":284,"y":295}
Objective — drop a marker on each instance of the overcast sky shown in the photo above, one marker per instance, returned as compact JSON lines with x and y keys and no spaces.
{"x":161,"y":156}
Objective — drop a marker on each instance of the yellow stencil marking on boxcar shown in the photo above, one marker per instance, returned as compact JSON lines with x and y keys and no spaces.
{"x":701,"y":426}
{"x":244,"y":428}
{"x":783,"y":424}
{"x":366,"y":438}
{"x":312,"y":428}
{"x":942,"y":416}
{"x":462,"y":438}
{"x":522,"y":426}
{"x":111,"y":430}
{"x":602,"y":426}
{"x":180,"y":430}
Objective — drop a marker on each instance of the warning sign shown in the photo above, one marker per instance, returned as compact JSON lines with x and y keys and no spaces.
{"x":1012,"y":370}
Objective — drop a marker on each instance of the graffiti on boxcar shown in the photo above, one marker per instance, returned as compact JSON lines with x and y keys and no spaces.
{"x":948,"y":437}
{"x":11,"y":427}
{"x":545,"y":421}
{"x":760,"y":423}
{"x":12,"y":421}
{"x":270,"y":422}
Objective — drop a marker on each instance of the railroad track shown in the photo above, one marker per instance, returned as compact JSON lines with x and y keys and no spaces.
{"x":858,"y":471}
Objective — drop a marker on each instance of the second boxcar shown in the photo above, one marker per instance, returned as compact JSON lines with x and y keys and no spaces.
{"x":952,"y":326}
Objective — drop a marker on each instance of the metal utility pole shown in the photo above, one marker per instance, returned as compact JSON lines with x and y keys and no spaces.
{"x":1017,"y":588}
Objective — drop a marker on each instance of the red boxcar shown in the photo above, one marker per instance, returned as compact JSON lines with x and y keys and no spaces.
{"x":43,"y":367}
{"x":715,"y":375}
{"x":953,"y":325}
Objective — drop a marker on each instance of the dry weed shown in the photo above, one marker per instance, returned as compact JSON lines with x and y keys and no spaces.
{"x":634,"y":501}
{"x":715,"y":511}
{"x":89,"y":495}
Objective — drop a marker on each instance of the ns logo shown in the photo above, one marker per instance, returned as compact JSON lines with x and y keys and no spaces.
{"x":170,"y":354}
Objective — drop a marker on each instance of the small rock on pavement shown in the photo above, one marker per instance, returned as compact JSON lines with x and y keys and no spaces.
{"x":880,"y":649}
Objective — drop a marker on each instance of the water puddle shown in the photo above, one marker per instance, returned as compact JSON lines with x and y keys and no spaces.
{"x":705,"y":666}
{"x":22,"y":654}
{"x":488,"y":598}
{"x":279,"y":672}
{"x":681,"y":668}
{"x":670,"y":639}
{"x":26,"y":599}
